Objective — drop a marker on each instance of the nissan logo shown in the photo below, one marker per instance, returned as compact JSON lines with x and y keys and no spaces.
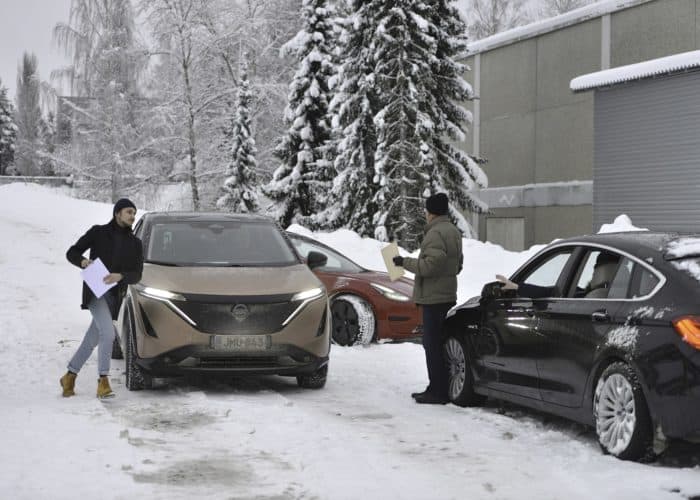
{"x":240,"y":312}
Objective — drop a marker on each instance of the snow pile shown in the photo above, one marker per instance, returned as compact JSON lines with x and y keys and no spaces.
{"x":622,"y":223}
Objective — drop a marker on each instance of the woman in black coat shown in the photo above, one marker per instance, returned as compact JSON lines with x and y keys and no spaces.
{"x":122,"y":254}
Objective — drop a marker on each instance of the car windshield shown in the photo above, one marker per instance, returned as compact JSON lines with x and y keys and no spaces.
{"x":217,"y":243}
{"x":336,"y":262}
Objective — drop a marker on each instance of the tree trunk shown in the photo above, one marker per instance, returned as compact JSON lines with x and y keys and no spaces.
{"x":191,"y":132}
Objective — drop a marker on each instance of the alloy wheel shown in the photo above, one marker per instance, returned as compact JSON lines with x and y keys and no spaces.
{"x":457,"y":365}
{"x":616,"y":416}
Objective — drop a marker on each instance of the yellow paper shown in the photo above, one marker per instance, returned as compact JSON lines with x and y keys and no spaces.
{"x":388,"y":253}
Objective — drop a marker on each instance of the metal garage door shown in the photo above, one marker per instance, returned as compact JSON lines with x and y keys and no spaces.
{"x":647,"y":153}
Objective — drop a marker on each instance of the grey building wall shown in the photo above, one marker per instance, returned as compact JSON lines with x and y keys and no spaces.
{"x":533,"y":130}
{"x":653,"y":30}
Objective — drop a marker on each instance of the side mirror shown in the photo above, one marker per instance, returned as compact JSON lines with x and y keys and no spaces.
{"x":316,"y":259}
{"x":491,"y":291}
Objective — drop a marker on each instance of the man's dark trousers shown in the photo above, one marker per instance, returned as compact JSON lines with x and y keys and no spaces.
{"x":433,"y":342}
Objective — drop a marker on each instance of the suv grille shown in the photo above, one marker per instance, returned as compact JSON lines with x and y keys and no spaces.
{"x":238,"y":318}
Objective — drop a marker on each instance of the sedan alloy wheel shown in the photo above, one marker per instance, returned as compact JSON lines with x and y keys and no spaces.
{"x":622,"y":421}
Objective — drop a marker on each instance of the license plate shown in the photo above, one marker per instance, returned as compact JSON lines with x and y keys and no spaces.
{"x":240,"y":342}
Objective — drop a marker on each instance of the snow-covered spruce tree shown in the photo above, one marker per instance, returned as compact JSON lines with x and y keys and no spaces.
{"x":8,"y":132}
{"x":403,"y":49}
{"x":28,"y":115}
{"x":300,"y":185}
{"x":454,"y":172}
{"x":353,"y":106}
{"x":239,"y":189}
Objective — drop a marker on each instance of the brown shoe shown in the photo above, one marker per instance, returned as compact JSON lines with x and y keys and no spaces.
{"x":104,"y":391}
{"x":68,"y":384}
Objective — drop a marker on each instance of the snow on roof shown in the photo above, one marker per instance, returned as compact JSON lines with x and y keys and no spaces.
{"x":664,"y":65}
{"x":575,"y":16}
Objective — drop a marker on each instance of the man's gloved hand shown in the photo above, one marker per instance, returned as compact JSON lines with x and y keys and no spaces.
{"x":398,"y":261}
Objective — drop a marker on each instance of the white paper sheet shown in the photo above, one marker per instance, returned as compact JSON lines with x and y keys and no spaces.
{"x":94,"y":275}
{"x":388,"y":253}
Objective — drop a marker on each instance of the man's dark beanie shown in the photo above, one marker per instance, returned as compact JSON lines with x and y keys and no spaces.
{"x":123,"y":203}
{"x":437,"y":204}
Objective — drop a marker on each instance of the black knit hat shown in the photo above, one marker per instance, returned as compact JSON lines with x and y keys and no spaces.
{"x":123,"y":203}
{"x":437,"y":204}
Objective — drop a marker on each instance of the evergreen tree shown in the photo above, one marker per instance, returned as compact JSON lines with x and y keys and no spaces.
{"x":454,"y":172}
{"x":300,"y":185}
{"x":28,"y":115}
{"x":8,"y":133}
{"x":403,"y":49}
{"x":353,"y":106}
{"x":47,"y":144}
{"x":397,"y":114}
{"x":239,"y":189}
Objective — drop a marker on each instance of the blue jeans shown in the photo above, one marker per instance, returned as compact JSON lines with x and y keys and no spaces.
{"x":100,"y":333}
{"x":433,"y":343}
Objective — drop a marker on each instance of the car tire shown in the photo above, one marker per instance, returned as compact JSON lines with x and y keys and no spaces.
{"x":315,"y":380}
{"x":117,"y":349}
{"x":460,"y":387}
{"x":352,"y":320}
{"x":621,"y":415}
{"x":136,"y":378}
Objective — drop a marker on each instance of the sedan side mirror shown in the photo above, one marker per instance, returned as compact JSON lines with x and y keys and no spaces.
{"x":491,"y":291}
{"x":316,"y":259}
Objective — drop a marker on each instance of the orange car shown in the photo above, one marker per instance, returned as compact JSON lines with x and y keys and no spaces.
{"x":366,"y":305}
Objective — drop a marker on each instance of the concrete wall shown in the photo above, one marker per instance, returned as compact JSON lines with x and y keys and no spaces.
{"x":654,"y":29}
{"x":563,"y":222}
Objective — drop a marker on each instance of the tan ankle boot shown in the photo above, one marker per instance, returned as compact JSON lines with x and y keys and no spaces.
{"x":103,"y":389}
{"x":68,"y":384}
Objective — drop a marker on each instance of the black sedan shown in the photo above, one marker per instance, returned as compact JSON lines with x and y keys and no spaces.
{"x":603,"y":330}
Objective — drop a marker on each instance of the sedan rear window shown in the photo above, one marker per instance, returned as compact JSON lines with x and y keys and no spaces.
{"x":218,"y":243}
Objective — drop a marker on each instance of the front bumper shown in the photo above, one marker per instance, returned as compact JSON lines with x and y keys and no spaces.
{"x":279,"y":360}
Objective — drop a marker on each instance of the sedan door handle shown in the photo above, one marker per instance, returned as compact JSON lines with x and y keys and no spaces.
{"x":600,"y":316}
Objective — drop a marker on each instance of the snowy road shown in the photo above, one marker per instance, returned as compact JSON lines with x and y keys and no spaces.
{"x":360,"y":437}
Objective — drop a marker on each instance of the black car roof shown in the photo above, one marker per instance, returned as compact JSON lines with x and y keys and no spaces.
{"x":207,"y":216}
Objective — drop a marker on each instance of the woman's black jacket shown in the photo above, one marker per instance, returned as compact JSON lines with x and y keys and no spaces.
{"x":120,"y":252}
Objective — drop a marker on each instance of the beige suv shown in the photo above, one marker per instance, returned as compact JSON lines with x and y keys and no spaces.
{"x":223,"y":293}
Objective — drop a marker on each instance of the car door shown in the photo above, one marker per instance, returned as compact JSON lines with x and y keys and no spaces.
{"x":574,"y":326}
{"x":508,"y":344}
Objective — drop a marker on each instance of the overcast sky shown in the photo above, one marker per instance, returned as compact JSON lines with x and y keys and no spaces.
{"x":26,"y":25}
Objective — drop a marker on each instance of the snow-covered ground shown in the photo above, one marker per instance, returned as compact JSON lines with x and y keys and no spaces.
{"x":360,"y":437}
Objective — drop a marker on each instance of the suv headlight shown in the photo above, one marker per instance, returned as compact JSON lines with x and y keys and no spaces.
{"x":157,"y":293}
{"x":305,"y":297}
{"x":390,"y":293}
{"x":308,"y":294}
{"x":166,"y":297}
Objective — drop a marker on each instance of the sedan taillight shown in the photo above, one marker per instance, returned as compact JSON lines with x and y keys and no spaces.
{"x":688,"y":327}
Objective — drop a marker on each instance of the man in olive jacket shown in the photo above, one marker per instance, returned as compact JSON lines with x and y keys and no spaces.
{"x":435,"y":269}
{"x":122,"y":254}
